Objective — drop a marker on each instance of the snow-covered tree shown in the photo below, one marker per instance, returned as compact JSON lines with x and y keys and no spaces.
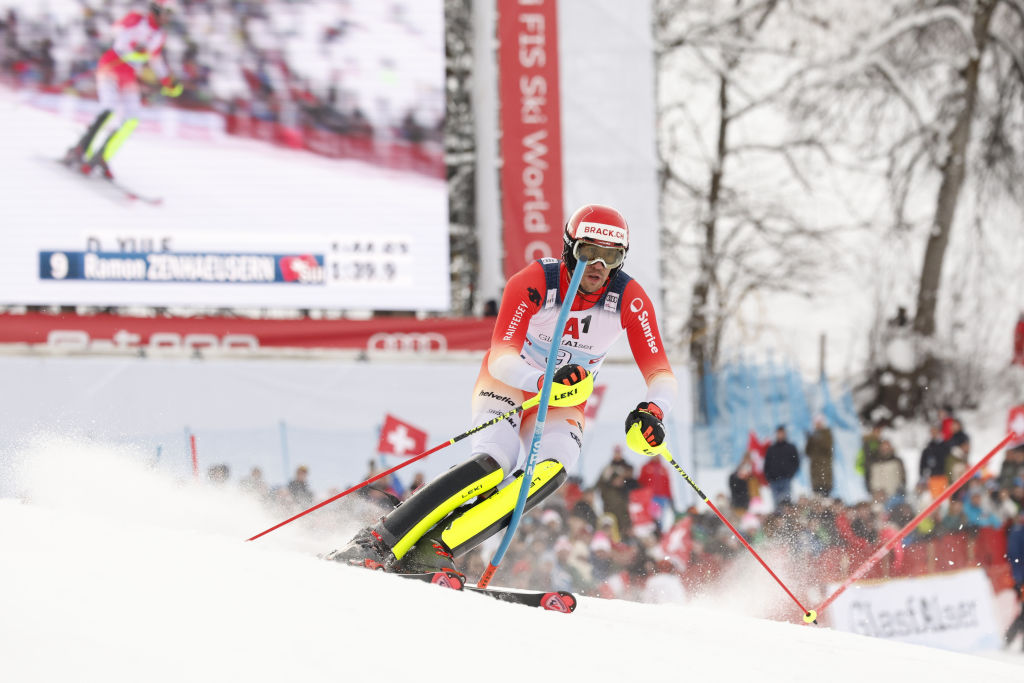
{"x":739,"y":181}
{"x":930,"y":92}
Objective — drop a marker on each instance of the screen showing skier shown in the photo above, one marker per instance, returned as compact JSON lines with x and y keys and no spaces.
{"x":166,"y":153}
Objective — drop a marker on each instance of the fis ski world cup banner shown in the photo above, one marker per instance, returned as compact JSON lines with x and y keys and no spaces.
{"x":952,"y":611}
{"x":531,"y":139}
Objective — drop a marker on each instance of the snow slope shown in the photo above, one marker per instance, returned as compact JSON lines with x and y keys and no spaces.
{"x":114,"y":572}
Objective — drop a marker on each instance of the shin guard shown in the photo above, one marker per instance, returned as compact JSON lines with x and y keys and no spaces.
{"x":117,"y":139}
{"x":407,"y":523}
{"x":85,"y":143}
{"x":471,"y":527}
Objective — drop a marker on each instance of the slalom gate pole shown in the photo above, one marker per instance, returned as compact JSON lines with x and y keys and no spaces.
{"x":883,"y":549}
{"x":195,"y":455}
{"x":542,"y":415}
{"x":529,"y":403}
{"x":636,"y":441}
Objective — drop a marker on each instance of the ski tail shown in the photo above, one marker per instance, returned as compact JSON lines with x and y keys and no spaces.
{"x":554,"y":601}
{"x":445,"y":578}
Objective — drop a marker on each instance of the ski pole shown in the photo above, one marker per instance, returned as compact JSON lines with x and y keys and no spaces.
{"x":636,"y":441}
{"x":538,"y":430}
{"x":528,"y":403}
{"x":884,"y":549}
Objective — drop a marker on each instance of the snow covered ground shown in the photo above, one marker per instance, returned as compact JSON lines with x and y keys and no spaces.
{"x":115,"y":572}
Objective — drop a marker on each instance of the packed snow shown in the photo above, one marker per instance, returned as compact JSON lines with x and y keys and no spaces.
{"x":115,"y":571}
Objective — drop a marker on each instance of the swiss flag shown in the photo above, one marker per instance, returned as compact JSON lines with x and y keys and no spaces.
{"x":757,"y":450}
{"x":400,"y":438}
{"x":678,"y":543}
{"x":594,"y":402}
{"x":1015,"y":424}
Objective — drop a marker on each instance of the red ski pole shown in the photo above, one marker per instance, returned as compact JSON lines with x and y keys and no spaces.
{"x":884,"y":549}
{"x":530,"y":402}
{"x":636,"y":441}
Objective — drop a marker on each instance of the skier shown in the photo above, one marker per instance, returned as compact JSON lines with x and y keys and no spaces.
{"x":474,"y":500}
{"x":138,"y":40}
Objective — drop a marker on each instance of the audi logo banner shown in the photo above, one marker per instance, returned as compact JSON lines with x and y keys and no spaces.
{"x":106,"y":333}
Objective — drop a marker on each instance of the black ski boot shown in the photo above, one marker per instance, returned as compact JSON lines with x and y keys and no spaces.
{"x":74,"y":157}
{"x":428,"y":555}
{"x":366,"y":549}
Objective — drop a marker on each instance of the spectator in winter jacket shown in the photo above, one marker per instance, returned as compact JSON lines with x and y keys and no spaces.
{"x":979,"y":512}
{"x":1012,"y":467}
{"x":869,"y":445}
{"x":1015,"y":556}
{"x":614,"y":485}
{"x":932,"y":468}
{"x":299,"y":488}
{"x":959,"y":449}
{"x":583,"y":508}
{"x":954,"y":520}
{"x":820,"y":450}
{"x":887,"y":476}
{"x":739,"y":485}
{"x":654,"y":476}
{"x":945,"y":421}
{"x":781,"y":462}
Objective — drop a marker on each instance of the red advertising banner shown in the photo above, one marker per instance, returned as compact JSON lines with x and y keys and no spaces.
{"x":105,"y":333}
{"x":531,"y":137}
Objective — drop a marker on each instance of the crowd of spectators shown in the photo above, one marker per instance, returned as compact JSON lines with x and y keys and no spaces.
{"x":623,"y":537}
{"x":348,"y":68}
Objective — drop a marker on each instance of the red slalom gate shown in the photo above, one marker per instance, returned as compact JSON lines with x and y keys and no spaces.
{"x":195,"y":456}
{"x":884,"y":549}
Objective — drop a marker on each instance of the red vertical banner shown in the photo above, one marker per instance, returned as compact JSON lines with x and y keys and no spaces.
{"x":531,"y":135}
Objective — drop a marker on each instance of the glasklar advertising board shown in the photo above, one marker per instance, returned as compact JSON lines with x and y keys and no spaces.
{"x":252,"y":210}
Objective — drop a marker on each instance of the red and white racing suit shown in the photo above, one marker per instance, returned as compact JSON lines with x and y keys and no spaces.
{"x":522,"y":340}
{"x":138,"y":40}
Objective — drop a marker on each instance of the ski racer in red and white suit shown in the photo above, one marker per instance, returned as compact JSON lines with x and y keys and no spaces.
{"x":602,"y":310}
{"x":474,"y":500}
{"x":138,"y":41}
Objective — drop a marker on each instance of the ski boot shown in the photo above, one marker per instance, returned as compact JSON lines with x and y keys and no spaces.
{"x":427,"y":556}
{"x":74,"y":157}
{"x":96,"y":168}
{"x":366,"y":550}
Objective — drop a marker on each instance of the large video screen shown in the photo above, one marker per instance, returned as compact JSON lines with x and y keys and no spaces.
{"x":301,"y":165}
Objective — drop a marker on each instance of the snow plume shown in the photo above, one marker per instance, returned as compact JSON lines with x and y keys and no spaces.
{"x":118,"y":483}
{"x":115,"y":570}
{"x":746,"y":588}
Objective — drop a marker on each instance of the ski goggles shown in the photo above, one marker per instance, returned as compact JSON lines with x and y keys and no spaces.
{"x":611,"y":257}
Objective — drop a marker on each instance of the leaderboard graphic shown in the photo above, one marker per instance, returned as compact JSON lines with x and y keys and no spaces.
{"x":307,"y":269}
{"x":382,"y":265}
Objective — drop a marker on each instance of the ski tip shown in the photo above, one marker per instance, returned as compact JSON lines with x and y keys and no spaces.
{"x":448,"y":579}
{"x":559,"y":601}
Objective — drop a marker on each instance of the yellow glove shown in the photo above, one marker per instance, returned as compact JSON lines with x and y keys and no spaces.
{"x":171,"y":87}
{"x":571,"y":385}
{"x":645,"y":432}
{"x":637,"y":442}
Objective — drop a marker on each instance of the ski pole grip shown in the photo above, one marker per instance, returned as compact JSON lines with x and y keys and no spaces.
{"x":531,"y":402}
{"x":636,"y":442}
